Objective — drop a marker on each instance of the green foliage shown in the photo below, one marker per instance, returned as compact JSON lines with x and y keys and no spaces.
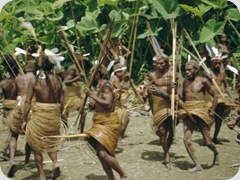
{"x":205,"y":20}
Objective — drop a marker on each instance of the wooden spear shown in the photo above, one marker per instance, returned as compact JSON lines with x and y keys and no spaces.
{"x":203,"y":64}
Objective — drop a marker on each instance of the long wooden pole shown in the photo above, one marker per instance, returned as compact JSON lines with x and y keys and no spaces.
{"x":102,"y":54}
{"x":203,"y":64}
{"x":134,"y":38}
{"x":174,"y":39}
{"x":76,"y":33}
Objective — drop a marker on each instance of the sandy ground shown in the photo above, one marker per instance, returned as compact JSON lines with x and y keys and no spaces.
{"x":139,"y":154}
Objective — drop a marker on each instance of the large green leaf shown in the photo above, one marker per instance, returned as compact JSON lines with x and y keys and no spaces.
{"x":58,"y":4}
{"x":56,"y":16}
{"x":47,"y":8}
{"x":216,"y":4}
{"x":108,"y":2}
{"x":168,"y":8}
{"x":233,"y":14}
{"x":210,"y":30}
{"x":87,"y":24}
{"x":28,"y":9}
{"x":147,"y":33}
{"x":199,"y":11}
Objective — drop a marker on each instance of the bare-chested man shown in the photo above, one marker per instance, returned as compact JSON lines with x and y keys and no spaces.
{"x":8,"y":92}
{"x":218,"y":74}
{"x":194,"y":89}
{"x":72,"y":91}
{"x":120,"y":82}
{"x":120,"y":50}
{"x":159,"y":94}
{"x":222,"y":47}
{"x":15,"y":120}
{"x":104,"y":133}
{"x":46,"y":116}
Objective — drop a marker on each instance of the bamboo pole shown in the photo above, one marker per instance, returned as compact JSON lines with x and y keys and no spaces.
{"x":76,"y":33}
{"x":66,"y":136}
{"x":203,"y":64}
{"x":133,"y":25}
{"x":174,"y":38}
{"x":134,"y":37}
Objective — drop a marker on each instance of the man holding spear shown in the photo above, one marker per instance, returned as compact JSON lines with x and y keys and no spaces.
{"x":218,"y":74}
{"x":104,"y":133}
{"x":159,"y":92}
{"x":194,"y":89}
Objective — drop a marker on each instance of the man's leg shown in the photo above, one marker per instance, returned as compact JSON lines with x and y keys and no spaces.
{"x":164,"y":137}
{"x":188,"y":130}
{"x":13,"y":148}
{"x":28,"y":151}
{"x":206,"y":135}
{"x":3,"y":153}
{"x":39,"y":163}
{"x":218,"y":124}
{"x":124,"y":127}
{"x":56,"y":168}
{"x":220,"y":110}
{"x":109,"y":162}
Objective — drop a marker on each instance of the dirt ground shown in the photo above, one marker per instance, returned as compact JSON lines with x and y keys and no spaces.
{"x":139,"y":154}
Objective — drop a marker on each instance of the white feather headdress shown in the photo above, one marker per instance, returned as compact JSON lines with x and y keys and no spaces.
{"x":214,"y":52}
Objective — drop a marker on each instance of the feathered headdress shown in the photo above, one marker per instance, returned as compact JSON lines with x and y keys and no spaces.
{"x":53,"y":57}
{"x":214,"y":53}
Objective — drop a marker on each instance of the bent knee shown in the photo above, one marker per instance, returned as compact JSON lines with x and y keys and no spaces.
{"x":102,"y":155}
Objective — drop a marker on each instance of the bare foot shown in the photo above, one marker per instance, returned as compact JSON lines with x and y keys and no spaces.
{"x":168,"y":165}
{"x":11,"y":170}
{"x":216,"y":141}
{"x":216,"y":159}
{"x":195,"y":169}
{"x":56,"y":173}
